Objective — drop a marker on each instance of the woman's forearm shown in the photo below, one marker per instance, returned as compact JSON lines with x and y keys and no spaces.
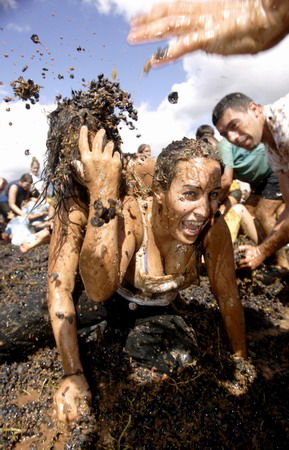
{"x":64,"y":252}
{"x":233,"y":318}
{"x":18,"y":211}
{"x":63,"y":321}
{"x":99,"y":258}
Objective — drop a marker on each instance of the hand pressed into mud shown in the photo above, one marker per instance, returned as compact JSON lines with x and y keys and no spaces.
{"x":250,"y":256}
{"x":101,"y":164}
{"x":72,"y":399}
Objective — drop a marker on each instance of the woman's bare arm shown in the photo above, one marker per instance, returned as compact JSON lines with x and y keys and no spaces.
{"x":12,"y":201}
{"x":220,"y":265}
{"x":73,"y":393}
{"x":99,"y":259}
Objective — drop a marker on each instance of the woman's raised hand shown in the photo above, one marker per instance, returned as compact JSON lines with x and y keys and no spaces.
{"x":102,"y":166}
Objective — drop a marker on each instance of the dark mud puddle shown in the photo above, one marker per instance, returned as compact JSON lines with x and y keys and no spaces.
{"x":213,"y":402}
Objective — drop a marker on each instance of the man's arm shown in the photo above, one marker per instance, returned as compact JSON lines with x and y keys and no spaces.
{"x":279,"y":236}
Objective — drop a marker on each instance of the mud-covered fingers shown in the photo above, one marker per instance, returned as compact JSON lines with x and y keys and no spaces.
{"x":252,"y":257}
{"x":204,"y":40}
{"x":163,"y":28}
{"x":108,"y":149}
{"x":109,"y":153}
{"x":65,"y":413}
{"x":99,"y":142}
{"x":83,"y":141}
{"x":157,"y":12}
{"x":177,"y":8}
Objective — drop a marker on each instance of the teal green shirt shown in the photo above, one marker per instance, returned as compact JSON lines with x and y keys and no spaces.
{"x":249,"y":166}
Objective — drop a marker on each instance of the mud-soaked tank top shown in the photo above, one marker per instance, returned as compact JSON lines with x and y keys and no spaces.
{"x":157,"y":290}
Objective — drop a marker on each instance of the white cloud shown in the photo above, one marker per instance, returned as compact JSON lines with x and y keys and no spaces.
{"x":19,"y":28}
{"x":8,"y":4}
{"x":126,"y":8}
{"x":27,"y":132}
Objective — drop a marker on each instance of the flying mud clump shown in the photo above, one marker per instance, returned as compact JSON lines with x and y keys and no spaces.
{"x":25,"y":90}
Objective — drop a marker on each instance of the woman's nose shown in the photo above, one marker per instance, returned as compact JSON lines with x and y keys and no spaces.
{"x":203,"y":209}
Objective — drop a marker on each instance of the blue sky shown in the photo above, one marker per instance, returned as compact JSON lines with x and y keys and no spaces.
{"x":101,"y":27}
{"x":64,"y":25}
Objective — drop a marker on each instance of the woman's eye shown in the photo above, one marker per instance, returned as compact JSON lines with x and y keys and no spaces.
{"x":190,"y":195}
{"x":214,"y":195}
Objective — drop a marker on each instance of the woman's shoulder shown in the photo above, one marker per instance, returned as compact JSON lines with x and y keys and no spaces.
{"x":217,"y":230}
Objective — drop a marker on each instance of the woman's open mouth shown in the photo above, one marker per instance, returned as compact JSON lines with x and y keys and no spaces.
{"x":192,"y":227}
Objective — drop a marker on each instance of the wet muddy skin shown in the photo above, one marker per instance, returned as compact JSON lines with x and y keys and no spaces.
{"x":214,"y":402}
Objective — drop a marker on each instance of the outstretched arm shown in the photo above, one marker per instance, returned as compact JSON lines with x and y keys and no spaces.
{"x":221,"y":271}
{"x":276,"y":239}
{"x":225,"y":27}
{"x":73,"y":394}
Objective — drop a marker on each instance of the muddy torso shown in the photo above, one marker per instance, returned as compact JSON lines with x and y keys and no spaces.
{"x":152,"y":275}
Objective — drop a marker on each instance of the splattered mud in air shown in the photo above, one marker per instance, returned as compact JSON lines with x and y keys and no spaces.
{"x":212,"y":402}
{"x":25,"y":90}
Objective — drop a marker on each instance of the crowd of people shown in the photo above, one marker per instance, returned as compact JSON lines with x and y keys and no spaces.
{"x":141,"y":227}
{"x":25,"y":218}
{"x":145,"y":223}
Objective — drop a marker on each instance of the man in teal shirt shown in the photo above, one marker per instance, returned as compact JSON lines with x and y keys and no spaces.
{"x":252,"y":167}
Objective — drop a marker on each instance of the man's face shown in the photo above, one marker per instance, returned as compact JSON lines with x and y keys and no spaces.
{"x":243,"y":129}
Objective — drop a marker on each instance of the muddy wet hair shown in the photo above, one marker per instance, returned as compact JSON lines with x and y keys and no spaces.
{"x":184,"y":150}
{"x":102,"y":105}
{"x":236,"y":101}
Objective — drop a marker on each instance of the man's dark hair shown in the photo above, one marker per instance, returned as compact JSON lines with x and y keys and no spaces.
{"x":203,"y":130}
{"x":236,"y":101}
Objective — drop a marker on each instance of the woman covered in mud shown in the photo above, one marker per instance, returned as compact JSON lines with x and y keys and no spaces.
{"x":147,"y":247}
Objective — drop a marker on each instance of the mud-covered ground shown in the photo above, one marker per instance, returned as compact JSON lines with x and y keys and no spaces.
{"x":214,"y":402}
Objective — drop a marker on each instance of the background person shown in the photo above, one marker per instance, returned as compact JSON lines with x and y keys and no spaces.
{"x":204,"y":131}
{"x":14,"y":195}
{"x":245,"y":124}
{"x":3,"y":184}
{"x":38,"y":212}
{"x":265,"y":199}
{"x":144,"y":149}
{"x":225,"y":27}
{"x":35,"y":168}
